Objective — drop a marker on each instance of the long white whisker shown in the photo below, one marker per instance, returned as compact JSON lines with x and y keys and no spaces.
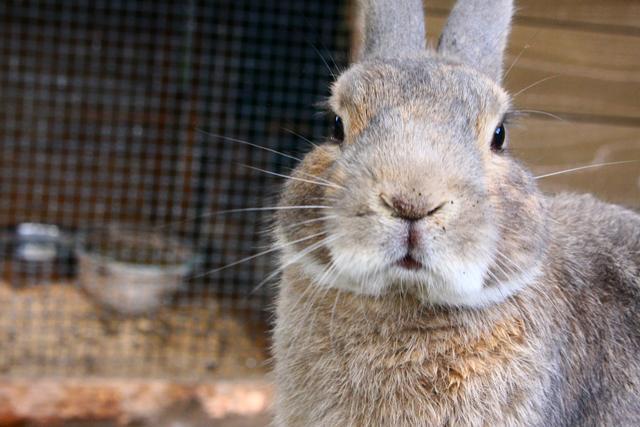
{"x":324,"y":61}
{"x":585,"y":167}
{"x":259,"y":254}
{"x":532,"y":85}
{"x":272,"y":208}
{"x":305,"y":139}
{"x":295,"y":259}
{"x":309,"y":221}
{"x":544,"y":113}
{"x":321,"y":179}
{"x":515,"y":61}
{"x":251,"y":144}
{"x":333,"y":61}
{"x":290,"y":177}
{"x":327,"y":272}
{"x":229,"y":211}
{"x":526,"y":46}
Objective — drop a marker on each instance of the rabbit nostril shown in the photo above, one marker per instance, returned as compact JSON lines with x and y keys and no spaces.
{"x":436,"y":209}
{"x":412,"y":209}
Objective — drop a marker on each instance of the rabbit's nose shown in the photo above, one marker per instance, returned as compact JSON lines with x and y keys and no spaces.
{"x":409,"y":208}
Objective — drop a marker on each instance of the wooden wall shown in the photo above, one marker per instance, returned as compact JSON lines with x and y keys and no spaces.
{"x":590,"y":50}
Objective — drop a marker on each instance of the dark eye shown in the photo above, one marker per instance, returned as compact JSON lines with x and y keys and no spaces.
{"x":338,"y":130}
{"x":497,"y":144}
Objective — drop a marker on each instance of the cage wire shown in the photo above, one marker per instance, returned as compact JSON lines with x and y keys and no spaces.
{"x":119,"y":122}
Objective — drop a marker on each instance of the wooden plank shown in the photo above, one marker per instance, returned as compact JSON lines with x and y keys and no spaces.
{"x":597,"y":74}
{"x":548,"y":146}
{"x":609,"y":15}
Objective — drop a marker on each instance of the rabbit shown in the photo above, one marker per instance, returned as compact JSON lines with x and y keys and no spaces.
{"x":426,"y":280}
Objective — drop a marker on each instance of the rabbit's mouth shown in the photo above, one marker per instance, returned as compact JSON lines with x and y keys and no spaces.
{"x":409,"y":263}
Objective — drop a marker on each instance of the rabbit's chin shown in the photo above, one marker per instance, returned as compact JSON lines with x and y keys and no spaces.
{"x":451,"y":283}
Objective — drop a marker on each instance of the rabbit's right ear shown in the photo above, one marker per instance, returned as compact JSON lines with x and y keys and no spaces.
{"x":392,"y":28}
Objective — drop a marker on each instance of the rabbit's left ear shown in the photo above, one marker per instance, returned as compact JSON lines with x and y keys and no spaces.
{"x":476,"y":33}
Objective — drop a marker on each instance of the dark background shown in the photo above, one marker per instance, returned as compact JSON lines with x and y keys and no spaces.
{"x":110,"y":111}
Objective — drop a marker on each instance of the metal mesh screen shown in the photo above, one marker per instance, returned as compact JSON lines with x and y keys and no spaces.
{"x":120,"y":123}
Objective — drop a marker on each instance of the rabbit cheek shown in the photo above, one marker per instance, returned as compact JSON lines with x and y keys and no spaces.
{"x":460,"y":260}
{"x":362,"y":251}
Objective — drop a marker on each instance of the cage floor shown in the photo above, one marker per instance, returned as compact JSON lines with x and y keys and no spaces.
{"x":130,"y":402}
{"x":56,"y":330}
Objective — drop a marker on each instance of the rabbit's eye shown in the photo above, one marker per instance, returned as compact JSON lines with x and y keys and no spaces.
{"x":338,"y":130}
{"x":497,"y":144}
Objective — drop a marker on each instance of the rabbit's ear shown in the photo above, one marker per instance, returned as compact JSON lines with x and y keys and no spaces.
{"x":476,"y":33}
{"x":392,"y":28}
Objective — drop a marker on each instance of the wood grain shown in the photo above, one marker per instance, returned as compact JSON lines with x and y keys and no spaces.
{"x":548,"y":146}
{"x":594,"y":74}
{"x":598,"y":15}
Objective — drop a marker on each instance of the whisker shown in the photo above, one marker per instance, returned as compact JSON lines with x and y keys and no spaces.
{"x":309,"y":221}
{"x":327,"y":273}
{"x":526,"y":46}
{"x":273,"y":208}
{"x":281,"y":175}
{"x":515,"y":61}
{"x":326,"y":181}
{"x":532,"y":85}
{"x":229,"y":211}
{"x":250,"y":144}
{"x":259,"y":254}
{"x":309,"y":249}
{"x":544,"y":113}
{"x":271,"y":229}
{"x":298,"y":257}
{"x":585,"y":167}
{"x":305,"y":139}
{"x":333,"y":61}
{"x":323,"y":60}
{"x":319,"y":178}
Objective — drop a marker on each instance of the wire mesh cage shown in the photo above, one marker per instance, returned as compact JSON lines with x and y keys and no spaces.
{"x":124,"y":144}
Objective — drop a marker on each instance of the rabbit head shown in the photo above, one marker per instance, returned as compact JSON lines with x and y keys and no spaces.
{"x":416,"y":191}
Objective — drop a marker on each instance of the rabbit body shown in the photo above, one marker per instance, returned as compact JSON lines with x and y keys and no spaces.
{"x":560,"y":352}
{"x":426,"y":280}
